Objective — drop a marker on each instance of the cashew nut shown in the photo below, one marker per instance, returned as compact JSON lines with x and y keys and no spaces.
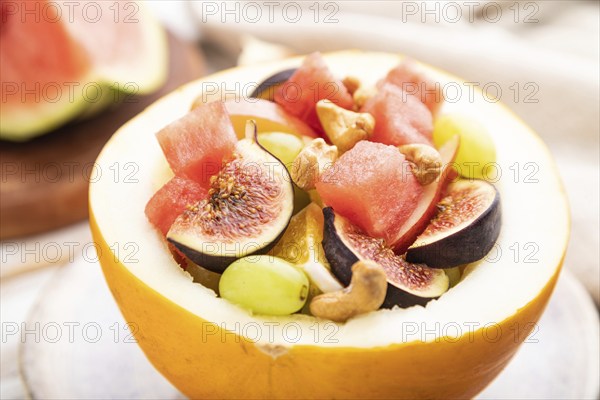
{"x":311,"y":162}
{"x":365,"y":293}
{"x":425,"y":161}
{"x":351,"y":83}
{"x":343,"y":127}
{"x":362,"y":94}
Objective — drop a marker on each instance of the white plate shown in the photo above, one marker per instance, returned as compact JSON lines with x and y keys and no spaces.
{"x":85,"y":349}
{"x":97,"y":359}
{"x":17,"y":297}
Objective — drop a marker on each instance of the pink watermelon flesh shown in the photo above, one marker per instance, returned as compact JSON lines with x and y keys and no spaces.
{"x":36,"y":54}
{"x":373,"y":187}
{"x":407,"y":233}
{"x":114,"y":40}
{"x":400,"y":118}
{"x":407,"y":77}
{"x":171,"y":200}
{"x":312,"y":82}
{"x":196,"y":144}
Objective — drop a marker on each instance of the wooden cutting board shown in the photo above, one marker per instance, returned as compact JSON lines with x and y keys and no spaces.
{"x":45,"y":181}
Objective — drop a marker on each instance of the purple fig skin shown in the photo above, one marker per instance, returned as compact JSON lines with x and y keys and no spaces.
{"x":218,"y":264}
{"x":466,"y":245}
{"x":271,"y":81}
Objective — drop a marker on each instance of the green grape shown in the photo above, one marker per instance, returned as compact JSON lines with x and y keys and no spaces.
{"x":454,"y":275}
{"x":265,"y":285}
{"x":286,"y":147}
{"x":476,"y":156}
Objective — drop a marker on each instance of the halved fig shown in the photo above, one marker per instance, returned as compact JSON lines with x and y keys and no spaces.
{"x":465,"y":228}
{"x":266,"y":89}
{"x":408,"y":284}
{"x":249,"y":206}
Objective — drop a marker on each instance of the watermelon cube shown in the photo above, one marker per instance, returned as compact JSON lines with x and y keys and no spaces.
{"x":171,"y":200}
{"x":196,"y":144}
{"x":372,"y":185}
{"x":312,"y":82}
{"x":408,"y":78}
{"x":400,"y":118}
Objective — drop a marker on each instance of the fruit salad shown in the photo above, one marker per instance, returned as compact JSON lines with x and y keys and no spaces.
{"x":360,"y":278}
{"x":361,"y":201}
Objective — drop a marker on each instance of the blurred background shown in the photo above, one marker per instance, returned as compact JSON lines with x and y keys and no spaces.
{"x":541,"y":58}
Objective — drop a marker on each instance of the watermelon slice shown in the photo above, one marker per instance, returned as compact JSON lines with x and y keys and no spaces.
{"x":424,"y":211}
{"x":408,"y":78}
{"x":373,"y":187}
{"x":196,"y":144}
{"x":400,"y":118}
{"x":57,"y":65}
{"x":171,"y":200}
{"x":312,"y":82}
